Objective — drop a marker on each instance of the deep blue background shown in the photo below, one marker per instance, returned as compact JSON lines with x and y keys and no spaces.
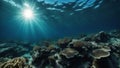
{"x":106,"y":18}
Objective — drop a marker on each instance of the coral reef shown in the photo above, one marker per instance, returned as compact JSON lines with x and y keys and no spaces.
{"x":101,"y":50}
{"x":100,"y":53}
{"x":13,"y":49}
{"x":69,"y":52}
{"x":62,"y":43}
{"x":19,"y":62}
{"x":101,"y":37}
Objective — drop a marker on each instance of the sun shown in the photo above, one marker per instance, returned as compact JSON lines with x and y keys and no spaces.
{"x":28,"y":13}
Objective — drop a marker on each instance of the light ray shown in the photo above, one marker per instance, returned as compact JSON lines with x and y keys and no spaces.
{"x":31,"y":21}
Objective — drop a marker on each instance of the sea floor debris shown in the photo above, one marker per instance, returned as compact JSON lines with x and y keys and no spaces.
{"x":101,"y":50}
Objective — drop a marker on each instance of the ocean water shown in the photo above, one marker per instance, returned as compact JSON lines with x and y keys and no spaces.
{"x":59,"y":33}
{"x":57,"y":18}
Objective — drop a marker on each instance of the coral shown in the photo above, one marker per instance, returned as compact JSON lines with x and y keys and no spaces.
{"x":104,"y":57}
{"x":98,"y":38}
{"x":106,"y":62}
{"x":12,"y":50}
{"x":78,"y":44}
{"x":40,"y":57}
{"x":101,"y":50}
{"x":36,"y":48}
{"x":115,"y":33}
{"x":100,"y":53}
{"x":115,"y":41}
{"x":46,"y":43}
{"x":2,"y":59}
{"x":54,"y":61}
{"x":52,"y":48}
{"x":82,"y":47}
{"x":64,"y":42}
{"x":106,"y":48}
{"x":19,"y":62}
{"x":101,"y":37}
{"x":69,"y":52}
{"x":87,"y":38}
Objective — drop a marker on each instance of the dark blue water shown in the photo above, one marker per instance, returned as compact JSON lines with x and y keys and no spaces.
{"x":58,"y":19}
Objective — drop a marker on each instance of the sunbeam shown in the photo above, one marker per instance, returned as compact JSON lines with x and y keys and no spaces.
{"x":28,"y":13}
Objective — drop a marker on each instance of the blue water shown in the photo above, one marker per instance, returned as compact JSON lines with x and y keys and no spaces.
{"x":57,"y":19}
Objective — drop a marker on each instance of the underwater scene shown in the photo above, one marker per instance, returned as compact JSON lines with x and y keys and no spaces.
{"x":59,"y":33}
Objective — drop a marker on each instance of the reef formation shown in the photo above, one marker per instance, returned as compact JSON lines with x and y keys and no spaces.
{"x":101,"y":50}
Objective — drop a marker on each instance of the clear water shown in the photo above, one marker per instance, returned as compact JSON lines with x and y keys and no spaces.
{"x":57,"y":18}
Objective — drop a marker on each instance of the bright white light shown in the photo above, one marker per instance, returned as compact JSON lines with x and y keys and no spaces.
{"x":26,"y":5}
{"x":28,"y":13}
